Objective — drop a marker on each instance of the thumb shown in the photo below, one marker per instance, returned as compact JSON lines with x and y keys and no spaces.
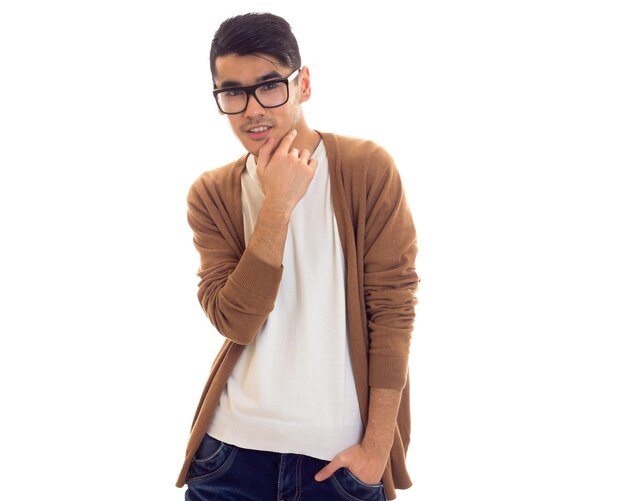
{"x":328,"y":470}
{"x":265,"y":153}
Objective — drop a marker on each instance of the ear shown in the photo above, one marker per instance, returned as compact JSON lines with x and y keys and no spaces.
{"x":304,"y":84}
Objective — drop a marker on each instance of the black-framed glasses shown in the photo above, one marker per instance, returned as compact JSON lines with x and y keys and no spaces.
{"x":269,"y":94}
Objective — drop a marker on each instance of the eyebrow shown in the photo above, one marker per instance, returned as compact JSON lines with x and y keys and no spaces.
{"x":272,"y":75}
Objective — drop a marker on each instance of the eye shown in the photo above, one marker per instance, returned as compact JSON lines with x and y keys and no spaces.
{"x":270,"y":86}
{"x":233,"y":93}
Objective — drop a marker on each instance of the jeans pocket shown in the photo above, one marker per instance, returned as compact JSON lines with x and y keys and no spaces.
{"x":212,"y":459}
{"x":353,"y":489}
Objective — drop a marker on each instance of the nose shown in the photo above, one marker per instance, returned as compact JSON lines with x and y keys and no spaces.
{"x":254,"y":108}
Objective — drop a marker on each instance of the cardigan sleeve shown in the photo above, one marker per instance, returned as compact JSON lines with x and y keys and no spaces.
{"x":237,"y":290}
{"x":389,"y":280}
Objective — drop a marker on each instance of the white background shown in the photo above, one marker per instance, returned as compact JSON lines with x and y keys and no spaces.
{"x":507,"y":121}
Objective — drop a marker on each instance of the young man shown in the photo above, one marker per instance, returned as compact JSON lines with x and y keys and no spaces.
{"x":307,"y":253}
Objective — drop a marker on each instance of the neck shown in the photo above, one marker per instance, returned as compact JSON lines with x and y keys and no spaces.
{"x":307,"y":138}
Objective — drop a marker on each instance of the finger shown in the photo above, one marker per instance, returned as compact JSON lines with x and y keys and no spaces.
{"x":265,"y":153}
{"x":305,"y":155}
{"x":285,"y":143}
{"x":328,"y":470}
{"x":294,"y":152}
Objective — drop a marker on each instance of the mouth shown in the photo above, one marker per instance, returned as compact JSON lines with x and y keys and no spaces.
{"x":258,"y":132}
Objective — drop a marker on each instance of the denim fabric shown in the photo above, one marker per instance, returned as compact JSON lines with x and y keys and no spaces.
{"x":223,"y":472}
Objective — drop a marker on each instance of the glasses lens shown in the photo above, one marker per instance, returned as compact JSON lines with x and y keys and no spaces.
{"x":269,"y":95}
{"x":272,"y":94}
{"x":232,"y":101}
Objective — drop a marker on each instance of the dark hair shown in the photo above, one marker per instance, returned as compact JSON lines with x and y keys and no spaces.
{"x":256,"y":33}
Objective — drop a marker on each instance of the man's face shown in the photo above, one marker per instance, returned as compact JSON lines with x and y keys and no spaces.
{"x":256,"y":124}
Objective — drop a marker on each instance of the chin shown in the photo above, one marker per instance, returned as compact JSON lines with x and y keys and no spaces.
{"x":252,"y":147}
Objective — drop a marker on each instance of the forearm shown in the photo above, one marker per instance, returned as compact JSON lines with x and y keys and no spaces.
{"x":270,"y":232}
{"x":237,"y":291}
{"x":381,"y":423}
{"x":242,"y":305}
{"x":368,"y":459}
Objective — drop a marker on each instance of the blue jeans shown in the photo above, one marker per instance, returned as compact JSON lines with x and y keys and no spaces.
{"x":224,"y":472}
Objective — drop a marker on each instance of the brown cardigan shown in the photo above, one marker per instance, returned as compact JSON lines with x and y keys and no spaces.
{"x":237,"y":290}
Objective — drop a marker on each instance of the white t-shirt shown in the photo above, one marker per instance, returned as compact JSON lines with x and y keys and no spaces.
{"x":293,"y":390}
